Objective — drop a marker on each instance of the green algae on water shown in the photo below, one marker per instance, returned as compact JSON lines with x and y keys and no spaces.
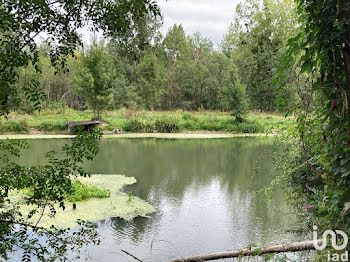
{"x":95,"y":209}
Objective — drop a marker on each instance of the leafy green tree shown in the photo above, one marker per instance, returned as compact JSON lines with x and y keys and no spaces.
{"x":137,"y":40}
{"x":20,"y":24}
{"x":175,"y":48}
{"x":191,"y":77}
{"x":322,"y":134}
{"x":256,"y":41}
{"x":217,"y":64}
{"x":150,"y":78}
{"x":55,"y":85}
{"x":94,"y":76}
{"x":196,"y":75}
{"x":171,"y":98}
{"x":18,"y":230}
{"x":176,"y":44}
{"x":125,"y":93}
{"x":18,"y":100}
{"x":234,"y":96}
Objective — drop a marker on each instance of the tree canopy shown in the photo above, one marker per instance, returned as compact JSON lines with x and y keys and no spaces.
{"x":22,"y":22}
{"x":57,"y":21}
{"x":322,"y":51}
{"x":257,"y":41}
{"x":94,"y":77}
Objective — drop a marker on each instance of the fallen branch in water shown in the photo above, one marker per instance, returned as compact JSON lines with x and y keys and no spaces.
{"x":292,"y":247}
{"x":132,"y":256}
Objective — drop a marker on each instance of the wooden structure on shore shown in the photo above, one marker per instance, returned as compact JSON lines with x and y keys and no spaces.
{"x":76,"y":126}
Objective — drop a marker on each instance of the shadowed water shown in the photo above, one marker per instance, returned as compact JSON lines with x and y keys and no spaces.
{"x":204,"y":192}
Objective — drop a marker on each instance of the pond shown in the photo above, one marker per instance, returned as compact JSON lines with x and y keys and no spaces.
{"x":204,"y":192}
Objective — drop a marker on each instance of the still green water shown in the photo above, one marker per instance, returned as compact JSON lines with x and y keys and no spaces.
{"x":204,"y":192}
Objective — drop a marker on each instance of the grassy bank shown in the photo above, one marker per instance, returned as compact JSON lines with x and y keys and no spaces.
{"x":146,"y":121}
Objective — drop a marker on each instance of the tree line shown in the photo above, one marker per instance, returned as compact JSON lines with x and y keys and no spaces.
{"x":141,"y":68}
{"x":315,"y":78}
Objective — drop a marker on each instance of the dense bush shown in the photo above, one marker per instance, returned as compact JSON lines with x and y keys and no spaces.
{"x":167,"y":125}
{"x":317,"y":166}
{"x":139,"y":125}
{"x":210,"y":125}
{"x":52,"y":126}
{"x":20,"y":126}
{"x":161,"y":125}
{"x":189,"y":116}
{"x":190,"y":125}
{"x":249,"y":127}
{"x":80,"y":192}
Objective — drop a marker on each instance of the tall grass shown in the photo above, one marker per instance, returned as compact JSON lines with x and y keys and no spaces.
{"x":149,"y":121}
{"x":50,"y":125}
{"x":80,"y":192}
{"x":16,"y":126}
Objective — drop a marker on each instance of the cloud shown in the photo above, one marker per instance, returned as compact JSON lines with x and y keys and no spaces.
{"x":209,"y":17}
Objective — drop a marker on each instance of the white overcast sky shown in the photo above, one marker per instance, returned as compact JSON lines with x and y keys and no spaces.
{"x":209,"y":17}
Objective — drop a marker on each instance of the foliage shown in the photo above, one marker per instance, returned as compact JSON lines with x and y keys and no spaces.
{"x":139,"y":125}
{"x":51,"y":183}
{"x":138,"y":68}
{"x":176,"y":44}
{"x":181,"y":71}
{"x":166,"y":125}
{"x":79,"y":192}
{"x":256,"y":41}
{"x":149,"y":81}
{"x":93,"y":78}
{"x":166,"y":121}
{"x":125,"y":93}
{"x":162,"y":125}
{"x":137,"y":40}
{"x":22,"y":22}
{"x":82,"y":192}
{"x":234,"y":94}
{"x":20,"y":126}
{"x":158,"y":121}
{"x":52,"y":126}
{"x":322,"y":134}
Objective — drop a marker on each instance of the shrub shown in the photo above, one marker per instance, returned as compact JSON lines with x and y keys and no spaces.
{"x":211,"y":125}
{"x":52,"y":126}
{"x":166,"y":125}
{"x":189,"y":116}
{"x":139,"y":125}
{"x":80,"y":192}
{"x":14,"y":126}
{"x":57,"y":107}
{"x":190,"y":125}
{"x":162,"y":125}
{"x":250,"y":127}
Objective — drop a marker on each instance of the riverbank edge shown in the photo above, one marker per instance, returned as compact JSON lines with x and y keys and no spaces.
{"x":184,"y":135}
